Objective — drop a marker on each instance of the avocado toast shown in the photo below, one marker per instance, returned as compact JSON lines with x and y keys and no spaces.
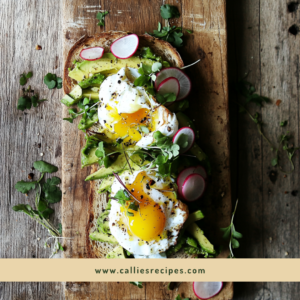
{"x":83,"y":81}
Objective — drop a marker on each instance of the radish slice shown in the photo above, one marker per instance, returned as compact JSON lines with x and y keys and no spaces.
{"x":189,"y":132}
{"x":186,"y":172}
{"x":207,"y":290}
{"x":91,"y":54}
{"x":193,"y":187}
{"x":201,"y":171}
{"x":125,"y":46}
{"x":184,"y":81}
{"x":169,"y":85}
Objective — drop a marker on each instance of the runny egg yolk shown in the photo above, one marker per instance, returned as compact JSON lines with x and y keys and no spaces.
{"x":126,"y":124}
{"x":149,"y":221}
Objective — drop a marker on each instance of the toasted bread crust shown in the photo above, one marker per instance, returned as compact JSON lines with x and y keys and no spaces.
{"x":105,"y":39}
{"x":98,"y":202}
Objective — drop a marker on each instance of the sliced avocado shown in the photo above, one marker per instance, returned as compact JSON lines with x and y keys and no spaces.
{"x":118,"y":166}
{"x":68,"y":101}
{"x":198,"y":234}
{"x":88,"y":159}
{"x":185,"y":121}
{"x":102,"y":237}
{"x":107,"y":62}
{"x":116,"y":253}
{"x":76,"y":93}
{"x":193,"y":217}
{"x":95,"y":80}
{"x":90,"y":93}
{"x":197,"y":151}
{"x":87,"y":123}
{"x":106,"y":183}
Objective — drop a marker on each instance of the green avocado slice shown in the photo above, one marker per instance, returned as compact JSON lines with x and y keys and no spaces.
{"x":108,"y":62}
{"x":198,"y":234}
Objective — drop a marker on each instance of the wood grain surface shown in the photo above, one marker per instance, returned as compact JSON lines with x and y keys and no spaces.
{"x":258,"y":41}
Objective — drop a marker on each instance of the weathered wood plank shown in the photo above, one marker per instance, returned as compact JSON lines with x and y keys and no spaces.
{"x":24,"y":24}
{"x":262,"y":46}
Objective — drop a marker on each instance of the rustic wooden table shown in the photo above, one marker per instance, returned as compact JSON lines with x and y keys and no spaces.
{"x":258,"y":43}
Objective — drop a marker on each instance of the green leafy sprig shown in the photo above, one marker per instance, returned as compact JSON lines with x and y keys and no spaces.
{"x":100,"y":16}
{"x":231,"y":234}
{"x":246,"y":89}
{"x":52,"y":81}
{"x":46,"y":193}
{"x":139,"y":284}
{"x":171,"y":34}
{"x":28,"y":100}
{"x":87,"y":110}
{"x":24,"y":78}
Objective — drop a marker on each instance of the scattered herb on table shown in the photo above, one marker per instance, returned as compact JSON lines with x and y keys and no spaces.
{"x":46,"y":192}
{"x":139,"y":284}
{"x":231,"y":234}
{"x":100,"y":16}
{"x":52,"y":81}
{"x":24,"y":78}
{"x":28,"y":100}
{"x":247,"y":90}
{"x":171,"y":34}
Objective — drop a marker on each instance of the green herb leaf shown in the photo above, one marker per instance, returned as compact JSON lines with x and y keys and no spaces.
{"x":29,"y":75}
{"x":283,"y":123}
{"x":122,"y":196}
{"x":61,"y":248}
{"x":24,"y":187}
{"x":52,"y":192}
{"x":169,"y":11}
{"x":100,"y":16}
{"x":274,"y":161}
{"x":24,"y":102}
{"x":23,"y":79}
{"x":52,"y":81}
{"x":137,"y":283}
{"x":59,"y":228}
{"x":44,"y":167}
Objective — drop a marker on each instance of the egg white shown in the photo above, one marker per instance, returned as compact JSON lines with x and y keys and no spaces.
{"x":119,"y":92}
{"x":118,"y":222}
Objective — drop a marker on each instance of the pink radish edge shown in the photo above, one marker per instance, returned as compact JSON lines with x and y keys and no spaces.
{"x":167,"y":81}
{"x":191,"y":135}
{"x":218,"y":290}
{"x":91,"y":59}
{"x":118,"y":40}
{"x":177,"y":73}
{"x":188,"y":181}
{"x":186,"y":172}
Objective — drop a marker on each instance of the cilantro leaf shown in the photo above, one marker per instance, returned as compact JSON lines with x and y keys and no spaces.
{"x":24,"y":102}
{"x":24,"y":77}
{"x":122,"y":196}
{"x":24,"y":186}
{"x":59,"y":228}
{"x":52,"y":81}
{"x":44,"y":167}
{"x":52,"y":192}
{"x":35,"y":100}
{"x":283,"y":123}
{"x":44,"y":210}
{"x":169,"y":11}
{"x":29,"y":75}
{"x":100,"y":16}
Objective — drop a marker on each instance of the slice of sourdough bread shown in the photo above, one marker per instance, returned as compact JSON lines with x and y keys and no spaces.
{"x":98,"y":202}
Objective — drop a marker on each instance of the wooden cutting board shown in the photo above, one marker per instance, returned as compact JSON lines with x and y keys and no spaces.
{"x":208,"y":107}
